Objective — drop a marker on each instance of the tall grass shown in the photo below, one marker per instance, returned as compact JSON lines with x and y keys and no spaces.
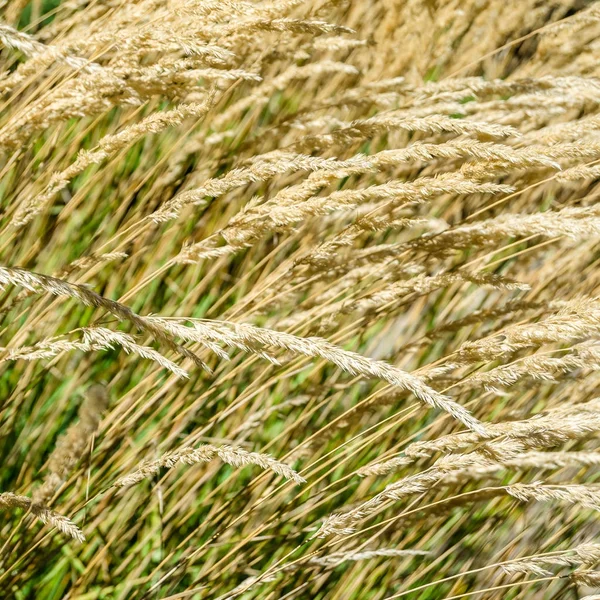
{"x":299,"y":299}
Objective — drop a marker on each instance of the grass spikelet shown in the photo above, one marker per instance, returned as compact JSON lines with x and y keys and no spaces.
{"x":248,"y":338}
{"x":536,"y":565}
{"x":236,"y":457}
{"x":9,"y":500}
{"x":73,"y":445}
{"x":34,"y":282}
{"x":343,"y":524}
{"x":574,"y":494}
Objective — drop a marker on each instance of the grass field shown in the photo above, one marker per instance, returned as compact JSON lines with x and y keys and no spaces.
{"x":299,"y":299}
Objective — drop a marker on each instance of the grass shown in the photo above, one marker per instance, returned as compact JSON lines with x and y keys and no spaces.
{"x":299,"y":299}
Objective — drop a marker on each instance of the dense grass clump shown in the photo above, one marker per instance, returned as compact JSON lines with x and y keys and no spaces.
{"x":299,"y":299}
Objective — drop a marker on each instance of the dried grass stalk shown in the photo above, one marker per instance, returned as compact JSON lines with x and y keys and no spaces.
{"x":236,"y":457}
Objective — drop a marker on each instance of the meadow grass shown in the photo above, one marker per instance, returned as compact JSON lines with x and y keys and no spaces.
{"x":299,"y":299}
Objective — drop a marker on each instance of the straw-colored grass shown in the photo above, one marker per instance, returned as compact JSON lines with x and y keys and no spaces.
{"x":299,"y":299}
